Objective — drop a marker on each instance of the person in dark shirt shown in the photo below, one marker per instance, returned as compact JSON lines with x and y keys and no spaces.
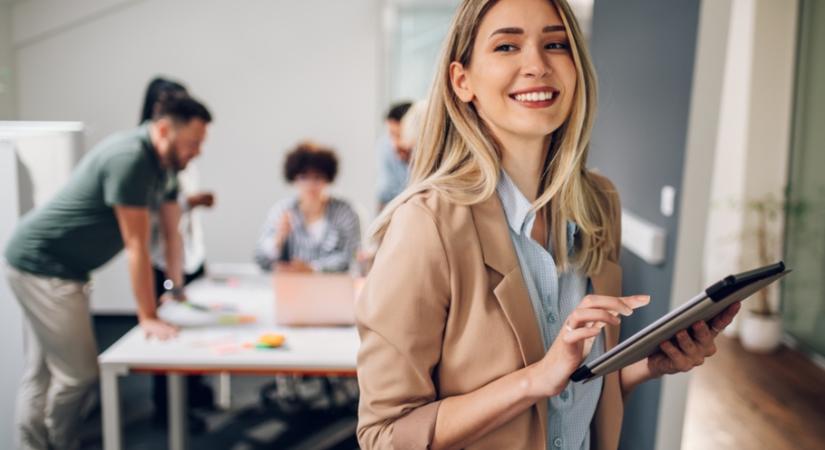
{"x":199,"y":394}
{"x":104,"y":208}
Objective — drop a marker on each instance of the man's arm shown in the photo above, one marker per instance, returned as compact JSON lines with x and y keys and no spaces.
{"x":170,"y":213}
{"x":134,"y":228}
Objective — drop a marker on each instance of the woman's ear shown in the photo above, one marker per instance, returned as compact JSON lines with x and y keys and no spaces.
{"x":460,"y":83}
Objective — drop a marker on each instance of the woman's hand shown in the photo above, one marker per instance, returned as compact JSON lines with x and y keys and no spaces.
{"x":295,"y":266}
{"x":552,"y":373}
{"x":283,"y":228}
{"x":691,"y":350}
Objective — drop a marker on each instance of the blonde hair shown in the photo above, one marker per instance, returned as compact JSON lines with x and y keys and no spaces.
{"x":458,"y":157}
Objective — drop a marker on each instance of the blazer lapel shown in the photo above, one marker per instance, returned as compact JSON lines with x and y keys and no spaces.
{"x":512,"y":294}
{"x":510,"y":291}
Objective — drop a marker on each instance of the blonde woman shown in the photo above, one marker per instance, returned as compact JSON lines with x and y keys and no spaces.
{"x":497,"y":274}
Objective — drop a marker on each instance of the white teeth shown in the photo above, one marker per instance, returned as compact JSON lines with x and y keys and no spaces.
{"x":534,"y":97}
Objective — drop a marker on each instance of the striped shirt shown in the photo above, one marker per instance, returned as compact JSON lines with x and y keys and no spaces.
{"x":331,"y":251}
{"x":553,"y":296}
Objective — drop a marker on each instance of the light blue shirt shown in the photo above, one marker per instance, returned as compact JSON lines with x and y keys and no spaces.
{"x":553,"y":296}
{"x":393,"y":173}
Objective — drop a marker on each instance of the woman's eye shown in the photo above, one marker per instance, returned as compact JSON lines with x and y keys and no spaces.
{"x":557,"y":46}
{"x":505,"y":48}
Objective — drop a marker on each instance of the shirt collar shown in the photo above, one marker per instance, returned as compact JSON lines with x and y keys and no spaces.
{"x":518,"y":210}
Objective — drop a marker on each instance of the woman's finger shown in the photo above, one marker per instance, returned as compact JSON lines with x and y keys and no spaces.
{"x":724,"y":318}
{"x":581,"y":316}
{"x":686,"y":343}
{"x":702,"y":333}
{"x":677,"y":359}
{"x":580,"y":334}
{"x":620,"y":305}
{"x":613,"y":304}
{"x":636,"y":301}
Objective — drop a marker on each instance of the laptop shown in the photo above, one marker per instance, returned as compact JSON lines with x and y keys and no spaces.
{"x":314,"y":299}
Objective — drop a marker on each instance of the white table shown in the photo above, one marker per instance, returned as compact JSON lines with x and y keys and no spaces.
{"x":220,"y":350}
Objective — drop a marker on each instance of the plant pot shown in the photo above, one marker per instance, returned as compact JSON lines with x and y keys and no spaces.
{"x":760,"y":333}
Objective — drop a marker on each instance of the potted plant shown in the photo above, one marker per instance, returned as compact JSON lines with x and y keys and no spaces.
{"x":760,"y":327}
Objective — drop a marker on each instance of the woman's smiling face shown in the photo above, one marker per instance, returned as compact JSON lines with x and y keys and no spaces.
{"x":521,"y":76}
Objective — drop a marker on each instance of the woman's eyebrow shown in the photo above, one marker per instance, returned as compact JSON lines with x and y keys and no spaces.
{"x":516,"y":30}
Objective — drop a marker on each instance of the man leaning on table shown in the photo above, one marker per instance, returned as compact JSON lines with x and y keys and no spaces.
{"x":102,"y":209}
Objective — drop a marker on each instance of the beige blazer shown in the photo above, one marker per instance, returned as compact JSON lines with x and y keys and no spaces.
{"x":445,"y":311}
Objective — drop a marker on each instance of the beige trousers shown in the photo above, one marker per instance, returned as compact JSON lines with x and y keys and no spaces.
{"x":60,"y":367}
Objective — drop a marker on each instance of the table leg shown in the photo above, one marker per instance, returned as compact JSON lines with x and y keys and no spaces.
{"x":224,"y":391}
{"x":178,"y":414}
{"x":110,"y":408}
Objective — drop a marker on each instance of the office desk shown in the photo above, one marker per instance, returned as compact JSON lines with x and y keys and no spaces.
{"x":221,"y":349}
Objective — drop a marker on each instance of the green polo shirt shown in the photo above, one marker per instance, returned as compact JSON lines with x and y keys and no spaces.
{"x":77,"y":231}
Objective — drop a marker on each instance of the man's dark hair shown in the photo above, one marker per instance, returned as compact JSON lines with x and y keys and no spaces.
{"x":398,"y":110}
{"x":158,"y":88}
{"x":308,"y":157}
{"x":180,"y":107}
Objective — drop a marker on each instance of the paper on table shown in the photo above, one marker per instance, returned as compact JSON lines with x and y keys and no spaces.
{"x":186,"y":315}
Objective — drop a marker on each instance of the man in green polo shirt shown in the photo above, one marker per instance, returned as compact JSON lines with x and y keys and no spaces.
{"x":105,"y":207}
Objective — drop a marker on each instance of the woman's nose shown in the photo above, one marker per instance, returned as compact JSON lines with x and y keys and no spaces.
{"x":535,"y":65}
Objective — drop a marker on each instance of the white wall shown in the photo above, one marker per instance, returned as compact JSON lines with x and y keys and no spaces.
{"x":6,"y":59}
{"x":722,"y":248}
{"x":770,"y":122}
{"x":753,"y":142}
{"x":272,"y":72}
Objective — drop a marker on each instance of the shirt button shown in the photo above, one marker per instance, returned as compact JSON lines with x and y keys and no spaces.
{"x":557,"y":442}
{"x":551,"y":317}
{"x":564,"y":395}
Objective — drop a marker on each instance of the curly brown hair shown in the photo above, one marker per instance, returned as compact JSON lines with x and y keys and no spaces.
{"x":310,"y":157}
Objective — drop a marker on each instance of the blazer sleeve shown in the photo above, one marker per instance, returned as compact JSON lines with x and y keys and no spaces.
{"x":401,"y":317}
